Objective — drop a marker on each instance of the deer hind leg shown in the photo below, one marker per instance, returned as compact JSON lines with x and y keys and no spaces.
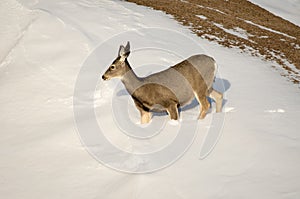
{"x":172,"y":110}
{"x":204,"y":105}
{"x":218,"y":97}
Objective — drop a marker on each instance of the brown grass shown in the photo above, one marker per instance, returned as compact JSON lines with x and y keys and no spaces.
{"x":221,"y":14}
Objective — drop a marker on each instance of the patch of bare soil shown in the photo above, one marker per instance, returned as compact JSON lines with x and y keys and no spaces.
{"x":238,"y":23}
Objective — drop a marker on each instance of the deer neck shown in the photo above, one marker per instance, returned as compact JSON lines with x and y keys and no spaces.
{"x":130,"y":80}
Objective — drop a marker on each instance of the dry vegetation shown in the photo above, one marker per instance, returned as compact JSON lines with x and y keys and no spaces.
{"x":264,"y":34}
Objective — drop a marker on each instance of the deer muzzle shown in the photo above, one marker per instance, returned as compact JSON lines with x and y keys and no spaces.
{"x":104,"y":77}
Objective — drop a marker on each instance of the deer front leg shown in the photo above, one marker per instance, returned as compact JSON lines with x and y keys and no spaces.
{"x":145,"y":115}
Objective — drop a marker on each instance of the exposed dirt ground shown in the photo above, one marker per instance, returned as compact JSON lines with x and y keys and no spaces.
{"x":238,"y":23}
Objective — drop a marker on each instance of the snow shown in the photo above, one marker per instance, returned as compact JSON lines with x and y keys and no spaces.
{"x":200,"y":6}
{"x":268,"y":29}
{"x":202,"y":17}
{"x":237,"y":31}
{"x":251,"y":150}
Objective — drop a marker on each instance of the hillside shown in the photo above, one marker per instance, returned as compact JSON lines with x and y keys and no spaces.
{"x":240,"y":24}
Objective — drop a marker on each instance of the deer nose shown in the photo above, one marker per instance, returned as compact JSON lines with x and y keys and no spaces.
{"x":103,"y":77}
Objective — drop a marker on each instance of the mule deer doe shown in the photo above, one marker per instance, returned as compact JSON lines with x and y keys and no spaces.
{"x":168,"y":89}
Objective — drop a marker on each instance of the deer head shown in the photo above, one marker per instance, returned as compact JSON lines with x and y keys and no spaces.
{"x":120,"y":65}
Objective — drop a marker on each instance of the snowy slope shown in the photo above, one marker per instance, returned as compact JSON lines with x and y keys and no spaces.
{"x":288,"y":9}
{"x":43,"y":150}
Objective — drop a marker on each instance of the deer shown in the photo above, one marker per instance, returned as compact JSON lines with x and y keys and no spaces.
{"x":167,"y":90}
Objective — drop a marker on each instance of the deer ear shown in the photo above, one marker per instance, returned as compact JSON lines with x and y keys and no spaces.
{"x":121,"y":51}
{"x":124,"y":51}
{"x":127,"y":48}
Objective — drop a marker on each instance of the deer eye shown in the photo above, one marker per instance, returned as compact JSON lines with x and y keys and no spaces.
{"x":112,"y":67}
